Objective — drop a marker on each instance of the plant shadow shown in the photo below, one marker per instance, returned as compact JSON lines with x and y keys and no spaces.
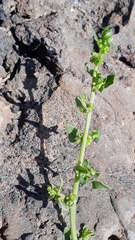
{"x":39,"y":192}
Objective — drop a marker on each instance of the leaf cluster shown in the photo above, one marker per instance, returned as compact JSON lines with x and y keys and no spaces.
{"x":84,"y":173}
{"x":65,"y":201}
{"x":98,"y":82}
{"x":76,"y":135}
{"x":104,"y":43}
{"x":83,"y":234}
{"x":82,"y":105}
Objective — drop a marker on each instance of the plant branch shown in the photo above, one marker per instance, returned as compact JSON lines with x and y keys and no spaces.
{"x":80,"y":162}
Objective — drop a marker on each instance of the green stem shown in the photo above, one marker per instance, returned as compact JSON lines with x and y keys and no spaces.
{"x":86,"y":131}
{"x":80,"y":162}
{"x":73,"y":211}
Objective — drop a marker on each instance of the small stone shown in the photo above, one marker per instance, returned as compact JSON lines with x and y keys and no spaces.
{"x":15,"y":108}
{"x":3,"y":73}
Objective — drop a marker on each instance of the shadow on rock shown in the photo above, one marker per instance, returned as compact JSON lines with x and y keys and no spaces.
{"x":23,"y":236}
{"x":39,"y":192}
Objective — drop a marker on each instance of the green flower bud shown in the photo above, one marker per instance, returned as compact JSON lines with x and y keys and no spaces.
{"x":69,"y":200}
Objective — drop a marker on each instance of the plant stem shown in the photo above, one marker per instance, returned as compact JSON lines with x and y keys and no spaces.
{"x":80,"y":162}
{"x":86,"y":131}
{"x":73,"y":210}
{"x":87,"y":125}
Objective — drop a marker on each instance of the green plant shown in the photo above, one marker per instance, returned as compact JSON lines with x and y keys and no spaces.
{"x":83,"y":171}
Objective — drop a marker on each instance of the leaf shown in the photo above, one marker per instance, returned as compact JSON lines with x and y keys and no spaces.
{"x":106,"y":33}
{"x":64,"y":206}
{"x":73,"y":132}
{"x":81,"y":102}
{"x":85,"y":163}
{"x":55,"y":202}
{"x":61,"y":184}
{"x":66,"y":234}
{"x":88,"y":70}
{"x":85,"y":233}
{"x":109,"y":80}
{"x":95,"y":35}
{"x":96,"y":58}
{"x":83,"y":181}
{"x":96,"y":175}
{"x":99,"y":185}
{"x":95,"y":134}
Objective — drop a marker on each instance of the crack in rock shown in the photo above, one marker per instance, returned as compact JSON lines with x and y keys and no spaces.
{"x":120,"y":220}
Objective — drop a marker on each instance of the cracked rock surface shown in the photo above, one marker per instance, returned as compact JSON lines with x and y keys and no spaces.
{"x":44,"y":45}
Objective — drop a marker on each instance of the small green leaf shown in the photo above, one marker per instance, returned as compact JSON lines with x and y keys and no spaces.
{"x":61,"y":184}
{"x":82,"y":169}
{"x":106,"y":33}
{"x":73,"y":133}
{"x":95,"y":134}
{"x":81,"y":103}
{"x":109,"y":80}
{"x":96,"y":175}
{"x":85,"y":163}
{"x":99,"y":185}
{"x":83,"y":181}
{"x":88,"y":70}
{"x":66,"y":234}
{"x":96,"y":58}
{"x":95,"y":35}
{"x":85,"y":233}
{"x":55,"y":202}
{"x":64,"y":206}
{"x":92,"y":171}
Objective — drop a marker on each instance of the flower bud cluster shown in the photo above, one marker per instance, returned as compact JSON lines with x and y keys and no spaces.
{"x":104,"y":44}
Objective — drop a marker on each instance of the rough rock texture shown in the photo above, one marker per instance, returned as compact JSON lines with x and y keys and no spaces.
{"x":5,"y":44}
{"x":44,"y":45}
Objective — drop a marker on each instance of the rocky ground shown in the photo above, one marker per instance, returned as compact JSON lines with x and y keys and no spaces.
{"x":44,"y":45}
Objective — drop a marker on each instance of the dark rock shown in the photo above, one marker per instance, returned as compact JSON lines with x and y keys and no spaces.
{"x":44,"y":45}
{"x":6,"y":44}
{"x":2,"y":16}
